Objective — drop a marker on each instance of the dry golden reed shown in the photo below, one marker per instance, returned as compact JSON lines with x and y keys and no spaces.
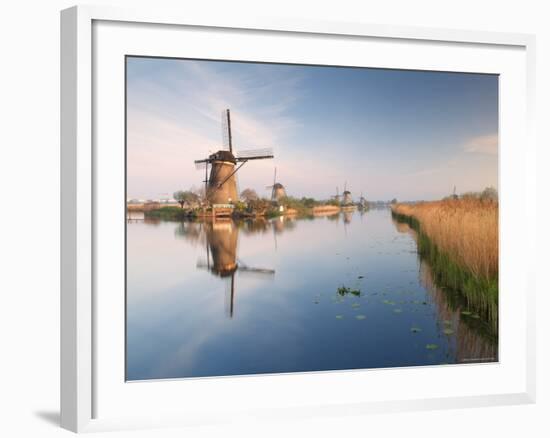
{"x":464,"y":229}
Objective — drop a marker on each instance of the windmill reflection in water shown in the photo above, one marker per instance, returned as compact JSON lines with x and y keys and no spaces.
{"x":221,"y":258}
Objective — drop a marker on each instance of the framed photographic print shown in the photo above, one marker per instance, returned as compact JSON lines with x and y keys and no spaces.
{"x":263,"y":208}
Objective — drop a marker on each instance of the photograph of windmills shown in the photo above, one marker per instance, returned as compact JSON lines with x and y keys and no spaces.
{"x":302,"y":218}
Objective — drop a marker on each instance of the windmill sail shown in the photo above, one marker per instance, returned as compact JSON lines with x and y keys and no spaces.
{"x":254,"y":154}
{"x":227,"y":140}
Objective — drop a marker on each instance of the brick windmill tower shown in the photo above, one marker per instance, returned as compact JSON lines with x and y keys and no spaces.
{"x":221,"y":183}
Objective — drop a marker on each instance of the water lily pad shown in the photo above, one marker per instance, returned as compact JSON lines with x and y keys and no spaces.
{"x":356,"y":305}
{"x":475,"y":315}
{"x":343,"y":290}
{"x":360,"y":317}
{"x":389,"y":302}
{"x":397,"y":311}
{"x":447,"y":322}
{"x":466,"y":312}
{"x":339,"y":316}
{"x":448,"y":331}
{"x":416,"y":329}
{"x":432,"y":346}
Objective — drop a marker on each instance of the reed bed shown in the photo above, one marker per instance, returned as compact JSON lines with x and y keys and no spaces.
{"x":459,"y":237}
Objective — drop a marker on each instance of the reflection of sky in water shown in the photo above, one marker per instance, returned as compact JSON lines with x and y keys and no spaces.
{"x":178,"y":323}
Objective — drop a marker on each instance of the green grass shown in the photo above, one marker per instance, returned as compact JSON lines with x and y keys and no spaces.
{"x":170,"y":213}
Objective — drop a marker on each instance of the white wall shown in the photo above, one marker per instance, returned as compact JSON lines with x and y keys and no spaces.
{"x":29,"y":219}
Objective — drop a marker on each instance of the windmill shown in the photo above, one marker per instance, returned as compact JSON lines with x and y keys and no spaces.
{"x":277,"y":189}
{"x":337,"y":196}
{"x":221,"y":257}
{"x":362,"y":202}
{"x":347,"y":200}
{"x":221,"y":185}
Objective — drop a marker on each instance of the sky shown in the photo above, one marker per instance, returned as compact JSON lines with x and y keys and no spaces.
{"x":410,"y":135}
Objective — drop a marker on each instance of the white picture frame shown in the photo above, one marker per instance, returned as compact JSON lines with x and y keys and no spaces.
{"x":85,"y":374}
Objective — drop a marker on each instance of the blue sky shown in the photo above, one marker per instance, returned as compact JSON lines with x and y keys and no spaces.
{"x":386,"y":133}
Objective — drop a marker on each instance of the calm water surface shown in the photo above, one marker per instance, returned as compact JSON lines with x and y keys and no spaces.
{"x":340,"y":292}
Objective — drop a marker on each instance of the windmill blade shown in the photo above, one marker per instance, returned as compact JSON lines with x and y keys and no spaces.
{"x":258,"y":271}
{"x":237,"y":185}
{"x":225,"y":137}
{"x":201,"y":164}
{"x":248,"y":269}
{"x":255,"y":153}
{"x":226,"y":131}
{"x":229,"y":301}
{"x":203,"y":264}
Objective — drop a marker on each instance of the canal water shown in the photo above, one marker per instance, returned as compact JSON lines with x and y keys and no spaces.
{"x":337,"y":292}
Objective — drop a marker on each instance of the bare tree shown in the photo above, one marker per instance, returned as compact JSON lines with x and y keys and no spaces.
{"x":249,"y":195}
{"x":489,"y":194}
{"x":184,"y":197}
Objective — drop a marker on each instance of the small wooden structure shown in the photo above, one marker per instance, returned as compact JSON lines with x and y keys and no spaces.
{"x":223,"y":210}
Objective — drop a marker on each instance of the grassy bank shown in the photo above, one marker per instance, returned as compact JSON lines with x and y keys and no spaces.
{"x":261,"y":207}
{"x":170,"y":213}
{"x":459,"y":239}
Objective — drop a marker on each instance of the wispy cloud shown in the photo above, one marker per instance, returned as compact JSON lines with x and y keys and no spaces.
{"x":483,"y":144}
{"x":326,"y":127}
{"x":176,"y":119}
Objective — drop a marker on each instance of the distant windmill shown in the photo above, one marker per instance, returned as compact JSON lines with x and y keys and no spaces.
{"x":347,"y":200}
{"x":221,"y":185}
{"x":221,"y":258}
{"x":455,"y":196}
{"x":277,"y":189}
{"x":362,"y":201}
{"x":337,"y":196}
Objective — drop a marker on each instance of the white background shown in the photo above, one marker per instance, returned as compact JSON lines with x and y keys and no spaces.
{"x":29,"y":219}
